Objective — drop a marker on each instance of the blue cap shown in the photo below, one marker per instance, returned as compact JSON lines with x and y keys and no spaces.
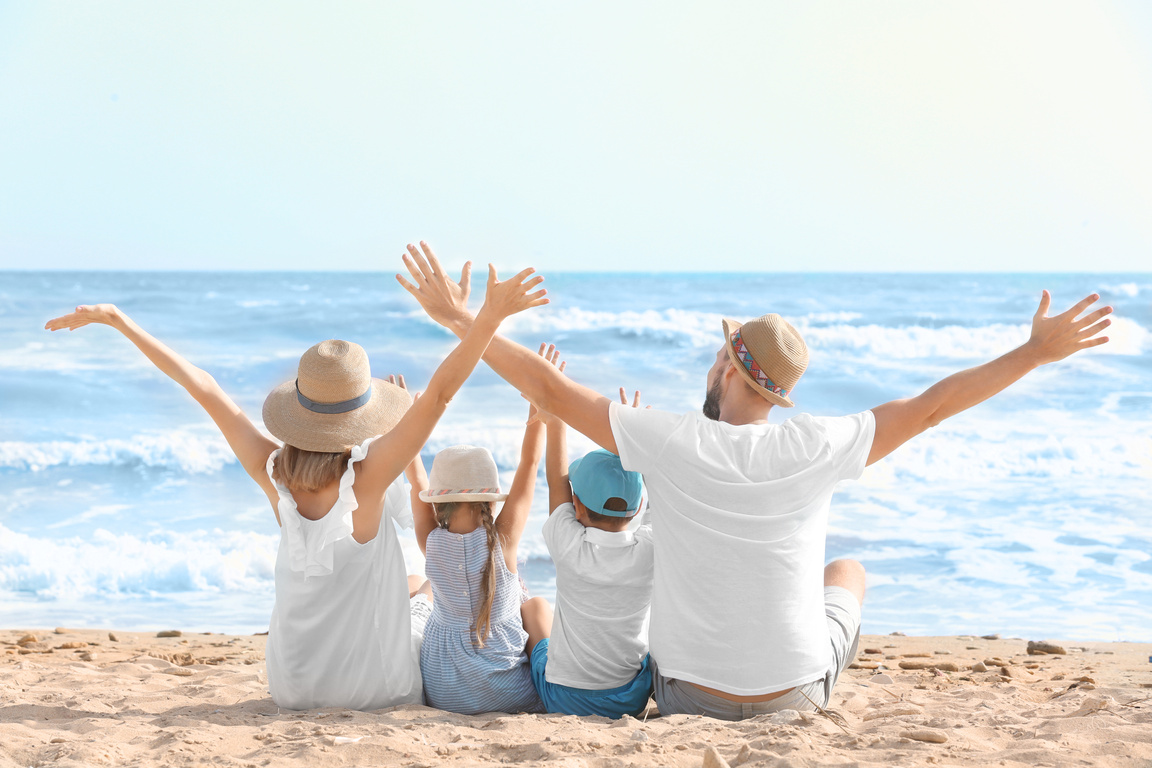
{"x":598,"y":476}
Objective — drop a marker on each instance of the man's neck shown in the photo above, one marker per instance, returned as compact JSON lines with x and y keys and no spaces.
{"x":741,"y":410}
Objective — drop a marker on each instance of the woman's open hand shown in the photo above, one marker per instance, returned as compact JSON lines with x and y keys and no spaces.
{"x":85,"y":314}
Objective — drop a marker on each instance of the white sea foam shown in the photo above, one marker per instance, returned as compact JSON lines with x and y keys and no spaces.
{"x":829,"y":333}
{"x":182,"y":450}
{"x":698,"y":329}
{"x":1050,"y":444}
{"x":1129,"y":290}
{"x":106,"y":564}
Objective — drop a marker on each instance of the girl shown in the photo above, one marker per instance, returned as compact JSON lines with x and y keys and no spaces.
{"x":341,"y":632}
{"x":475,"y":653}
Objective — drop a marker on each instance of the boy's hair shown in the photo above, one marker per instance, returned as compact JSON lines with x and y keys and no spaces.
{"x":302,"y":470}
{"x":482,"y":626}
{"x":616,"y":504}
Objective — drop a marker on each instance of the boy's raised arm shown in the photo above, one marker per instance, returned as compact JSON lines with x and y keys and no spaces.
{"x":556,"y":454}
{"x":446,"y":302}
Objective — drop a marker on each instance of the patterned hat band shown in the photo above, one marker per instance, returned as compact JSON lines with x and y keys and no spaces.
{"x":454,"y":491}
{"x":754,"y":369}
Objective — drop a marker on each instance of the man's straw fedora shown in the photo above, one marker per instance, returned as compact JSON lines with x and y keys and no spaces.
{"x":769,"y":353}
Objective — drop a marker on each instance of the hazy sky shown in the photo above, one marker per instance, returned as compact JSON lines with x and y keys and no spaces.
{"x":594,"y":135}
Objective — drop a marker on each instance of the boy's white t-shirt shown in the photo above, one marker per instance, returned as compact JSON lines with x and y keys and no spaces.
{"x":603,"y":595}
{"x":738,"y":603}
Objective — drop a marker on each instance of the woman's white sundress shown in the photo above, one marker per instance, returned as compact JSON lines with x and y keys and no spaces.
{"x":341,"y":633}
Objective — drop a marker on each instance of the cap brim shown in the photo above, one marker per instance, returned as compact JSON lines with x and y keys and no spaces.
{"x":297,"y":426}
{"x":730,"y":327}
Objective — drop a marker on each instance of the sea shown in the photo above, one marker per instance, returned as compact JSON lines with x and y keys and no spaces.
{"x":1029,"y":515}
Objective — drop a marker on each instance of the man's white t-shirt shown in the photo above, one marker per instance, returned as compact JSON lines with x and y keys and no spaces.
{"x":738,"y":603}
{"x":603,"y":595}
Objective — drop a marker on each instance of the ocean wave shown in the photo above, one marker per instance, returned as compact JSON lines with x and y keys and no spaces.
{"x":118,"y":565}
{"x":1125,"y":290}
{"x":829,"y":333}
{"x":1050,"y":446}
{"x":180,"y":450}
{"x":111,"y":564}
{"x":697,"y":329}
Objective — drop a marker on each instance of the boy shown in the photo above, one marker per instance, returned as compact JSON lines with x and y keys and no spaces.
{"x":596,"y":661}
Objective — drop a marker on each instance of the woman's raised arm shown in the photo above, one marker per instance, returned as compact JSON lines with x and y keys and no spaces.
{"x":249,"y":444}
{"x":388,"y":456}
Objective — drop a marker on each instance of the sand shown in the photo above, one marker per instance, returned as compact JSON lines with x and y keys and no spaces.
{"x":81,"y":698}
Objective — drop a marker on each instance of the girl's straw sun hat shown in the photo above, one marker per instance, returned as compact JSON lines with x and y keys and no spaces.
{"x":334,"y":403}
{"x":463,"y":473}
{"x":769,"y":353}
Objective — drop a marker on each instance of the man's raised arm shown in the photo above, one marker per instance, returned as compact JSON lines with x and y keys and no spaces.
{"x":446,"y":302}
{"x":1052,"y":339}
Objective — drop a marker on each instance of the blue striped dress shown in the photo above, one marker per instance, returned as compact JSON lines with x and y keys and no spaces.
{"x":458,"y":675}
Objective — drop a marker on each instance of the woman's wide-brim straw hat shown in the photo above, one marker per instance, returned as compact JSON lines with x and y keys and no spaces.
{"x":463,"y":473}
{"x":769,"y":353}
{"x":334,"y":403}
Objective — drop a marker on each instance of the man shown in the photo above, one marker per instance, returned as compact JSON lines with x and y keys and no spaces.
{"x":743,"y":620}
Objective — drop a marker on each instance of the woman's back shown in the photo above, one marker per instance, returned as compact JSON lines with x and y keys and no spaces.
{"x":341,"y":632}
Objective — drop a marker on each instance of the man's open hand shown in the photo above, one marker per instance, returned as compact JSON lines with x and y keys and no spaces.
{"x":444,"y":299}
{"x":1055,"y":338}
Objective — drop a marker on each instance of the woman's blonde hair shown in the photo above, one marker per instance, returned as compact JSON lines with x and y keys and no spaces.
{"x":302,"y":470}
{"x":482,"y":626}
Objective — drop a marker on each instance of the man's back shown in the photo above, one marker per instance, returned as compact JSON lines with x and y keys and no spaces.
{"x":739,"y":528}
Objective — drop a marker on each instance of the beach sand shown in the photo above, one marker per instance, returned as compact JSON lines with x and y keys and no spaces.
{"x":93,"y":698}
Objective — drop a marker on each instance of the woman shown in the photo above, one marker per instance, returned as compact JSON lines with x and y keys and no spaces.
{"x":341,"y":632}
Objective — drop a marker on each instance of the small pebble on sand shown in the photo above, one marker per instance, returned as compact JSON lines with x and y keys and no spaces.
{"x":943,"y":666}
{"x":170,"y":633}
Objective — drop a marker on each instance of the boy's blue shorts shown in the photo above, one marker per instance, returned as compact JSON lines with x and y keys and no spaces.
{"x":629,"y":699}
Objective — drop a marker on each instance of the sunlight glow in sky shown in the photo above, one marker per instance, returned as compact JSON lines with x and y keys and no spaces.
{"x":635,"y":136}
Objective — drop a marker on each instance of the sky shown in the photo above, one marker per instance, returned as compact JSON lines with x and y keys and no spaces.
{"x":633,"y":136}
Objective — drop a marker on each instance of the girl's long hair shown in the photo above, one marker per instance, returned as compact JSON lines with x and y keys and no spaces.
{"x":482,"y":625}
{"x":302,"y":470}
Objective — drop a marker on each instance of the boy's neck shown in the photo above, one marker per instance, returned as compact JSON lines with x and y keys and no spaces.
{"x":615,"y":526}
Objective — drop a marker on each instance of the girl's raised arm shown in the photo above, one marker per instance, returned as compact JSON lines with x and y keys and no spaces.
{"x":514,"y":514}
{"x":249,"y":444}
